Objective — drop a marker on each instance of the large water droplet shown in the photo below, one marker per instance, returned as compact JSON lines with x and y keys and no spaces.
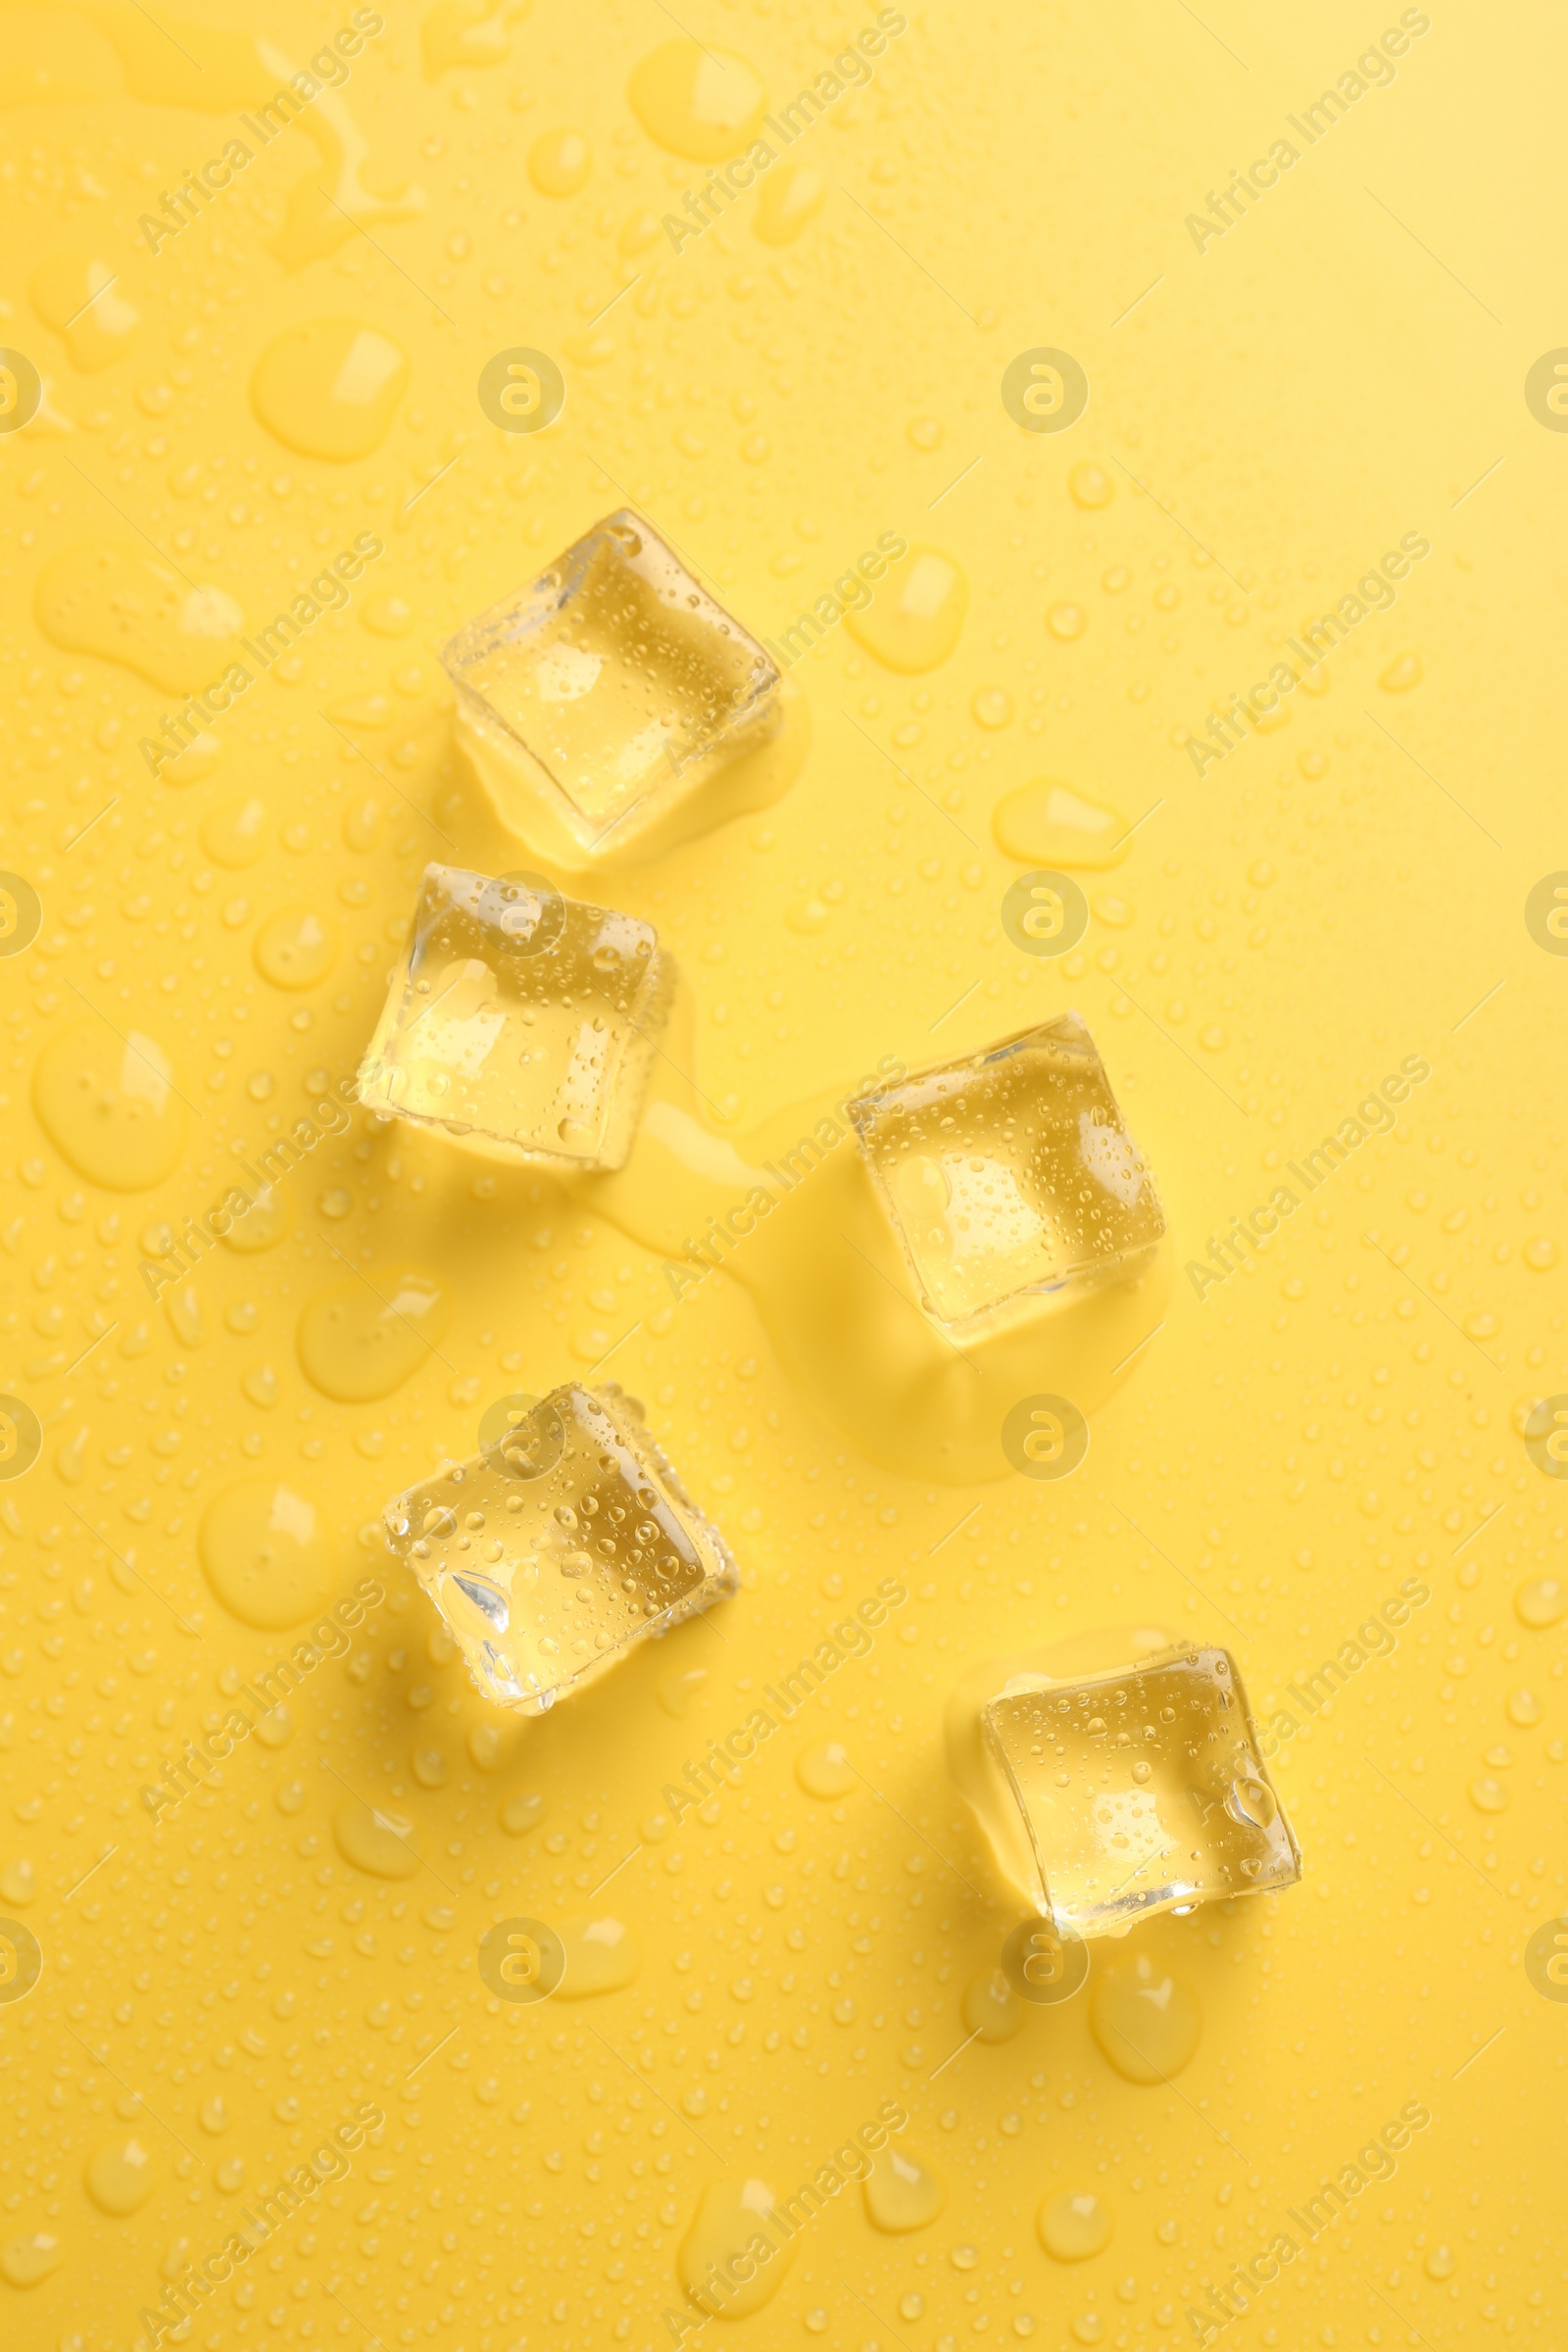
{"x":903,"y":2193}
{"x":1145,"y":2019}
{"x":329,"y":388}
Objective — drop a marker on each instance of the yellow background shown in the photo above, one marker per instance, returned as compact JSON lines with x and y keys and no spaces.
{"x":1339,"y":368}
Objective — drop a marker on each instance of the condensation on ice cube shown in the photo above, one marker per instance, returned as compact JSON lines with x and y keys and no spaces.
{"x":1009,"y":1175}
{"x":559,"y":1545}
{"x":1142,"y":1789}
{"x":520,"y":1023}
{"x":607,"y":696}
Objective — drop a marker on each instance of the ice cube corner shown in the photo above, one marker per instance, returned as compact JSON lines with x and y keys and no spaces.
{"x":520,"y":1023}
{"x":1008,"y":1175}
{"x":563,"y":1542}
{"x":600,"y":701}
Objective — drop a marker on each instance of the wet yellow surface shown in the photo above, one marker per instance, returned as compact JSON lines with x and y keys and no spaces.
{"x":1209,"y":697}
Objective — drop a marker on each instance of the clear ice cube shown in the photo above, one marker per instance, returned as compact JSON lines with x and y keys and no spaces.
{"x":520,"y":1023}
{"x":612,"y":690}
{"x":1142,"y":1790}
{"x":559,"y":1545}
{"x":1008,"y":1175}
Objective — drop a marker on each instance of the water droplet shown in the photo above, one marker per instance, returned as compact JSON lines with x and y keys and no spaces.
{"x":991,"y":705}
{"x":29,"y":2260}
{"x":824,"y":1769}
{"x":521,"y":1811}
{"x":677,"y":1690}
{"x":789,"y":198}
{"x":560,"y":163}
{"x":265,"y":1554}
{"x":1146,"y":2019}
{"x":1066,"y":621}
{"x":992,"y":2010}
{"x":720,"y":2258}
{"x":263,"y":1224}
{"x":1091,"y":486}
{"x":235,"y":831}
{"x":110,"y":1104}
{"x":119,"y":2175}
{"x":1252,"y":1802}
{"x":1073,"y":2226}
{"x":701,"y":102}
{"x":1439,"y":2263}
{"x":362,"y":1338}
{"x":602,"y":1955}
{"x":375,"y":1841}
{"x":295,"y":947}
{"x":1402,"y":673}
{"x":1541,"y":1602}
{"x":385,"y":615}
{"x":1488,"y":1796}
{"x":329,"y":388}
{"x":903,"y":2193}
{"x":18,"y":1884}
{"x":124,"y":604}
{"x":915,"y":621}
{"x":1524,"y":1708}
{"x":83,"y":298}
{"x":1047,"y":823}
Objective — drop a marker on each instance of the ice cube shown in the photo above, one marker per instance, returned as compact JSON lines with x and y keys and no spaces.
{"x":559,"y":1545}
{"x":1008,"y":1175}
{"x":609,"y":692}
{"x":520,"y":1023}
{"x":1142,"y":1789}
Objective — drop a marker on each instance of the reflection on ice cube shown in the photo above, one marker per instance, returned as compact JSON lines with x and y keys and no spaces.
{"x":522,"y":1026}
{"x":565,"y":674}
{"x":1111,"y":1157}
{"x":608,"y":697}
{"x":1008,"y":1176}
{"x":463,"y":1020}
{"x":549,"y":1555}
{"x":1141,"y":1789}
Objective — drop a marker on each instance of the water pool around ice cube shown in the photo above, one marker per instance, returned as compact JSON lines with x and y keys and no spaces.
{"x":606,"y":695}
{"x":552,"y":1551}
{"x":1009,"y":1175}
{"x":520,"y":1023}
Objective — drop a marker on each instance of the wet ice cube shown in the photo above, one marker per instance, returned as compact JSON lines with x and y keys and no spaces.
{"x":610,"y":692}
{"x":563,"y":1542}
{"x":520,"y":1022}
{"x":1008,"y":1175}
{"x":1142,"y":1790}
